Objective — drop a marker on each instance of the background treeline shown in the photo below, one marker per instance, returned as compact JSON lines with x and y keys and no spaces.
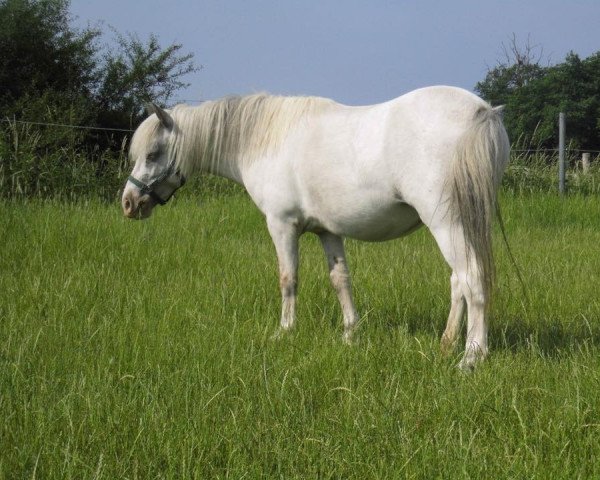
{"x":54,"y":74}
{"x":534,"y":95}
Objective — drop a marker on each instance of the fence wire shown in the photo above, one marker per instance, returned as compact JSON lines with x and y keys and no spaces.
{"x":64,"y":125}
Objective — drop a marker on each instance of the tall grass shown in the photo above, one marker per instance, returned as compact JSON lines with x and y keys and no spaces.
{"x":530,"y":172}
{"x":143,"y":350}
{"x":30,"y":168}
{"x":534,"y":169}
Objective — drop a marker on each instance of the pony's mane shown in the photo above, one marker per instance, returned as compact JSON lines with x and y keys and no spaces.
{"x":236,"y":128}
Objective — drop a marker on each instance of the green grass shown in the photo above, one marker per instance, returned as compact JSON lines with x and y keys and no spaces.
{"x":142,"y":350}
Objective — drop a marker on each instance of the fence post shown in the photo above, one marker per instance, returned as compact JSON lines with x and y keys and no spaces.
{"x":585,"y":162}
{"x":562,"y":188}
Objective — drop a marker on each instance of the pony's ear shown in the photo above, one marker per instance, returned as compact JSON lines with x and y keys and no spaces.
{"x":165,"y":119}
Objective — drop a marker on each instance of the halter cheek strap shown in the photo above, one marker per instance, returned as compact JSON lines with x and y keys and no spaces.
{"x":148,"y":188}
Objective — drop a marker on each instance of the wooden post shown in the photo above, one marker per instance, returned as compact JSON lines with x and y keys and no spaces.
{"x":585,"y":162}
{"x":562,"y":187}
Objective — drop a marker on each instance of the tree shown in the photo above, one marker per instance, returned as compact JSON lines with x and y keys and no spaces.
{"x":534,"y":95}
{"x":47,"y":69}
{"x":41,"y":52}
{"x":519,"y":67}
{"x":136,"y":74}
{"x":52,"y":72}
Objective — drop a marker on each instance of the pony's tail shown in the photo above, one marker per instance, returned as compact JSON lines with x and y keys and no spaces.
{"x":481,"y":156}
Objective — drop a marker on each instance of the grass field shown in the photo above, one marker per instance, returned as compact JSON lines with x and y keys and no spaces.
{"x":143,"y":350}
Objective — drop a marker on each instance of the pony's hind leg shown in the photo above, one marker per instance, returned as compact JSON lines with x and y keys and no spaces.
{"x":285,"y":238}
{"x":457,"y":309}
{"x":339,"y":274}
{"x":466,"y":283}
{"x":476,"y":347}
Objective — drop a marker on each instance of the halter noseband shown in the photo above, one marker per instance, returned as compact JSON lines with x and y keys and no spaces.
{"x":148,"y":188}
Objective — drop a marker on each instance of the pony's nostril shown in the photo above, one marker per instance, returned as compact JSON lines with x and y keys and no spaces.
{"x":128,"y":206}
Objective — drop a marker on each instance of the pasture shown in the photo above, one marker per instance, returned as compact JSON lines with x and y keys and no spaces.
{"x":144,"y":350}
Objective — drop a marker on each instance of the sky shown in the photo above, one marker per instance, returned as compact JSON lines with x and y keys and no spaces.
{"x":356,"y":52}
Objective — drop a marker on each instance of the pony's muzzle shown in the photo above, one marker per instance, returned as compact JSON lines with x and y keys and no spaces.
{"x":135,"y":206}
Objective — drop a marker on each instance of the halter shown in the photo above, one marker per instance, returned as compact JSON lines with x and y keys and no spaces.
{"x":148,"y":188}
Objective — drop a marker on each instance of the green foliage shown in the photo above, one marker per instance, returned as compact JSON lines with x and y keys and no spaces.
{"x":63,"y":171}
{"x":42,"y":53}
{"x":47,"y":61}
{"x":534,"y":95}
{"x":47,"y":69}
{"x":136,"y":73}
{"x":52,"y":73}
{"x":537,"y":172}
{"x":504,"y":80}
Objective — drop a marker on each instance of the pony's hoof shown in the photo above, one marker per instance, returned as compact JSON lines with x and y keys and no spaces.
{"x":466,"y":367}
{"x":348,"y":337}
{"x":280,"y":333}
{"x":469,"y":363}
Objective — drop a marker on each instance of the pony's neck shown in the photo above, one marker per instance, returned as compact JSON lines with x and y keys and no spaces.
{"x":225,"y":167}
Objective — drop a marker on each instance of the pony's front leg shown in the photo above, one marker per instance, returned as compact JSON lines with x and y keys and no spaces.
{"x":340,"y":279}
{"x":285,"y":237}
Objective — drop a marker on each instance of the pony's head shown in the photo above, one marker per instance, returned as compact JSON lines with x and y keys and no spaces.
{"x":155,"y":177}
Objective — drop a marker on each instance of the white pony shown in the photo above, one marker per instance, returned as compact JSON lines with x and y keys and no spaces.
{"x":434,"y":156}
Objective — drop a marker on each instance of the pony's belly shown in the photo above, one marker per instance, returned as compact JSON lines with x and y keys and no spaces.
{"x":374,"y":225}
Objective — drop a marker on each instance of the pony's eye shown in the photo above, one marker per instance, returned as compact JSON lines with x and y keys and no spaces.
{"x":151,"y":156}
